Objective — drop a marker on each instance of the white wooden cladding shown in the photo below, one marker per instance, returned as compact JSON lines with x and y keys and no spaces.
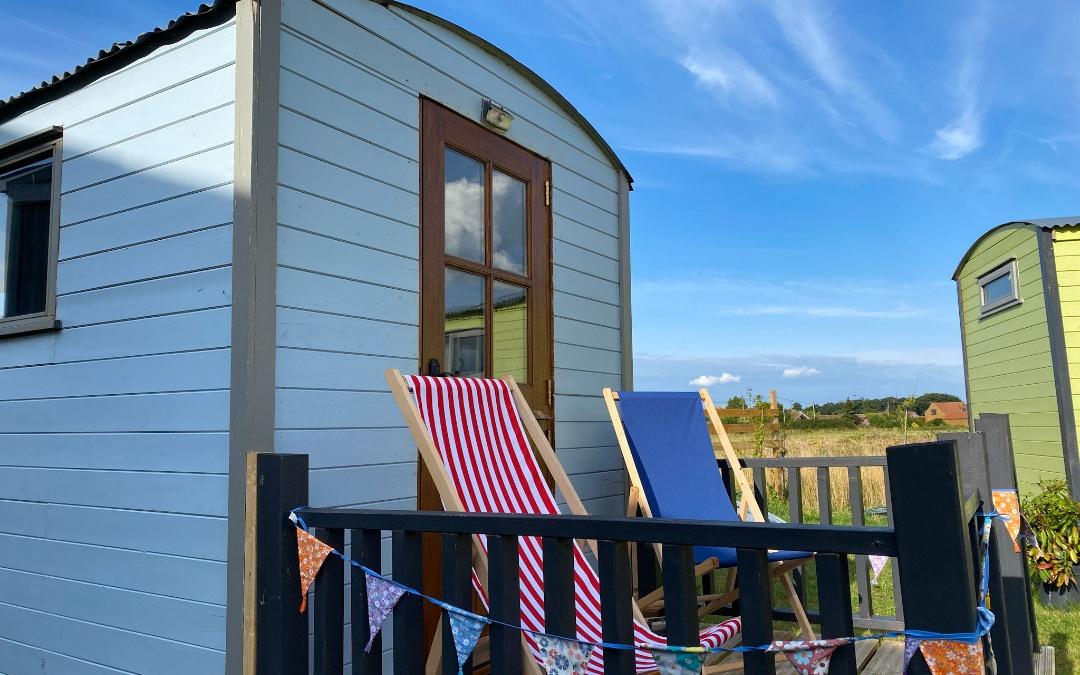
{"x":349,"y":175}
{"x":114,"y":430}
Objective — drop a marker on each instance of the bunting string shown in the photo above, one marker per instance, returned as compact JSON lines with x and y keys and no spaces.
{"x":568,"y":655}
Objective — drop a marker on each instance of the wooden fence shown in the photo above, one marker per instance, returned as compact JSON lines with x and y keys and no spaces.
{"x":760,"y":420}
{"x":933,"y":536}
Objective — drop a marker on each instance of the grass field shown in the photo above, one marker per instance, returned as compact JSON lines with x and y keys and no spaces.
{"x":1057,"y":627}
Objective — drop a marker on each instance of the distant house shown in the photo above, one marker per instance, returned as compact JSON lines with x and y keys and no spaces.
{"x":952,"y":413}
{"x":862,"y":420}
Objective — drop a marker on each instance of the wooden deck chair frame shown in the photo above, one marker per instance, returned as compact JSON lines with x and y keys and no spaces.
{"x":451,"y":502}
{"x":748,"y":507}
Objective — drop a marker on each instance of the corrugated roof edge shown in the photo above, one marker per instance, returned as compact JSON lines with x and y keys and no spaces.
{"x":116,"y":57}
{"x":527,"y":72}
{"x":1048,"y":223}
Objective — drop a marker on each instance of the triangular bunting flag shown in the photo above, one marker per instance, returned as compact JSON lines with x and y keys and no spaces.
{"x":877,"y":563}
{"x":1008,"y":504}
{"x":382,"y":595}
{"x":466,"y":628}
{"x":945,"y":657}
{"x":808,"y":657}
{"x":560,"y":656}
{"x":678,"y":663}
{"x":911,"y":645}
{"x":311,"y":552}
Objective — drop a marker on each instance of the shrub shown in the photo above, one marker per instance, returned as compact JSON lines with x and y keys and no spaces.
{"x":1055,"y":519}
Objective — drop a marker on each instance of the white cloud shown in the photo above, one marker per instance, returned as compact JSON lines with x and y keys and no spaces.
{"x":801,"y":371}
{"x":728,"y":75}
{"x":712,"y":380}
{"x":964,"y":134}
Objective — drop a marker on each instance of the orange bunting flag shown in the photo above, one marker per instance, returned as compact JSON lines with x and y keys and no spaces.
{"x":945,"y":657}
{"x":312,"y":553}
{"x":1008,"y":504}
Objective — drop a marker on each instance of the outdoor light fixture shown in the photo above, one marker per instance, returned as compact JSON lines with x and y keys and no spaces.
{"x":497,"y":116}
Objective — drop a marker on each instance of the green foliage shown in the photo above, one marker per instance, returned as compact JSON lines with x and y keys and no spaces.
{"x":1055,"y":519}
{"x":736,"y":402}
{"x":919,"y":404}
{"x":796,"y":406}
{"x":819,"y":423}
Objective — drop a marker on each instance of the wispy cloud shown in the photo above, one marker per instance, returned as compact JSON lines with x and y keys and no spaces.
{"x":964,"y":134}
{"x":713,"y":380}
{"x":729,"y":76}
{"x":801,"y":371}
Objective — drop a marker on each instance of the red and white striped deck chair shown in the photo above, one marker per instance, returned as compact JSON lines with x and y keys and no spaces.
{"x":473,"y":436}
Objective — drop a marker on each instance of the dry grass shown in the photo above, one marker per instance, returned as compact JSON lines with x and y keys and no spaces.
{"x":841,"y":443}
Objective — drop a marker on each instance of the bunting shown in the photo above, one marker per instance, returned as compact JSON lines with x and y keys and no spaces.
{"x":946,"y":657}
{"x":1007,"y":504}
{"x":312,"y":553}
{"x":809,"y":657}
{"x":679,"y":663}
{"x":877,"y":563}
{"x":560,"y":656}
{"x":465,"y":627}
{"x":911,"y":645}
{"x":382,"y":595}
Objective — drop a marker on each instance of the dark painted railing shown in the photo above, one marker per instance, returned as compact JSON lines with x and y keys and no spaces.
{"x":822,"y":469}
{"x":931,"y":537}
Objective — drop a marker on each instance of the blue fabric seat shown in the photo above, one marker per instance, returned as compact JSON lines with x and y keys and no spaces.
{"x":669,"y":441}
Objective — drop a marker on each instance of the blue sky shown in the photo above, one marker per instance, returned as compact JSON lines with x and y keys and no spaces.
{"x":807,"y":174}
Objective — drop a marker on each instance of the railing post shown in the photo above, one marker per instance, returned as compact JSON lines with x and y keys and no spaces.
{"x":934,"y":554}
{"x":1001,"y":467}
{"x":281,"y":631}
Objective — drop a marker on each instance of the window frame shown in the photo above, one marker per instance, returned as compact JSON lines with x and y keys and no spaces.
{"x":46,"y":141}
{"x":1008,"y":268}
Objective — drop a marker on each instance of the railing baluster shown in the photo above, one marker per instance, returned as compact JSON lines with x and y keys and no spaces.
{"x":824,"y":497}
{"x":330,"y":607}
{"x":761,"y":490}
{"x":408,"y":564}
{"x":505,"y":589}
{"x":834,"y":601}
{"x":457,"y":591}
{"x":898,"y":600}
{"x":755,"y":592}
{"x":617,"y":617}
{"x":366,"y":550}
{"x":680,"y":598}
{"x":560,"y":613}
{"x":795,"y":515}
{"x":647,"y":578}
{"x":862,"y":572}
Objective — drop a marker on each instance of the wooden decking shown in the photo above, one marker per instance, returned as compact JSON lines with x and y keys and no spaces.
{"x":872,"y":657}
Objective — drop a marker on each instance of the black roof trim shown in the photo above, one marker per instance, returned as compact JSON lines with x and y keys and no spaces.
{"x":1038,"y":223}
{"x":116,"y":57}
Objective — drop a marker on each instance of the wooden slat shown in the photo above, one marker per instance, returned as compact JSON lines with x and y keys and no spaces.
{"x":330,"y":608}
{"x":617,"y":619}
{"x":744,"y":428}
{"x":457,"y":590}
{"x":680,"y":602}
{"x":887,"y":660}
{"x":506,"y":652}
{"x":756,"y":606}
{"x":747,"y":412}
{"x":409,"y":612}
{"x":862,"y":572}
{"x":824,"y":497}
{"x":559,"y":609}
{"x":1044,"y":661}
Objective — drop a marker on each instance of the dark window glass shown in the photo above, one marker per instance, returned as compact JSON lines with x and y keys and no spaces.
{"x":998,"y":289}
{"x":25,"y":194}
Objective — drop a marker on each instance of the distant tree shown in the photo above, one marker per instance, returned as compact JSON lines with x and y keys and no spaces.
{"x":923,"y":402}
{"x":796,"y":406}
{"x":847,"y":410}
{"x":736,"y":402}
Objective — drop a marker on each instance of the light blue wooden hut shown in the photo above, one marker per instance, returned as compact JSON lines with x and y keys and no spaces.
{"x":217,"y":238}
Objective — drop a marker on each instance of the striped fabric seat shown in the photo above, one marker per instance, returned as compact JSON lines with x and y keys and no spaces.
{"x":480,"y":437}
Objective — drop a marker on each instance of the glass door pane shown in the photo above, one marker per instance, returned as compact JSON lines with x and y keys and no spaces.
{"x":463,"y":191}
{"x":464,"y":323}
{"x":509,"y":331}
{"x":508,"y":223}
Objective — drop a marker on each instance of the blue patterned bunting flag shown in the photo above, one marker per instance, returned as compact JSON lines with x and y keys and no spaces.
{"x":382,"y":595}
{"x":911,"y":645}
{"x":678,"y":663}
{"x":466,"y":628}
{"x":560,"y":656}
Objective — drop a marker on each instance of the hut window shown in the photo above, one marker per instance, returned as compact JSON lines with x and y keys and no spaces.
{"x":999,"y":288}
{"x":28,"y":232}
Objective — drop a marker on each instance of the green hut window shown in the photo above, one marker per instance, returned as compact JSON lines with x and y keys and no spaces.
{"x":999,"y":288}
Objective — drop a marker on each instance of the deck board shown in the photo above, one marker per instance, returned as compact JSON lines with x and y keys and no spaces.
{"x":888,"y":660}
{"x":867,"y":654}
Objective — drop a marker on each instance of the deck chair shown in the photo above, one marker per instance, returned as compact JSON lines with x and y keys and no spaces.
{"x":672,"y":469}
{"x":473,"y":436}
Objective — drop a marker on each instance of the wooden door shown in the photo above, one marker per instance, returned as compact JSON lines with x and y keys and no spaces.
{"x":485,"y":264}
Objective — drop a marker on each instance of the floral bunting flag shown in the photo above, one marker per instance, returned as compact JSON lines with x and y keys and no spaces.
{"x":877,"y":563}
{"x":382,"y":595}
{"x":679,"y":663}
{"x":946,"y":657}
{"x":560,"y":656}
{"x":911,"y":645}
{"x":1008,"y":504}
{"x":809,"y":657}
{"x":312,"y":553}
{"x":466,"y":628}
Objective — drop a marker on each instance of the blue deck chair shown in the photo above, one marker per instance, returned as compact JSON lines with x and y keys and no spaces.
{"x":669,"y":457}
